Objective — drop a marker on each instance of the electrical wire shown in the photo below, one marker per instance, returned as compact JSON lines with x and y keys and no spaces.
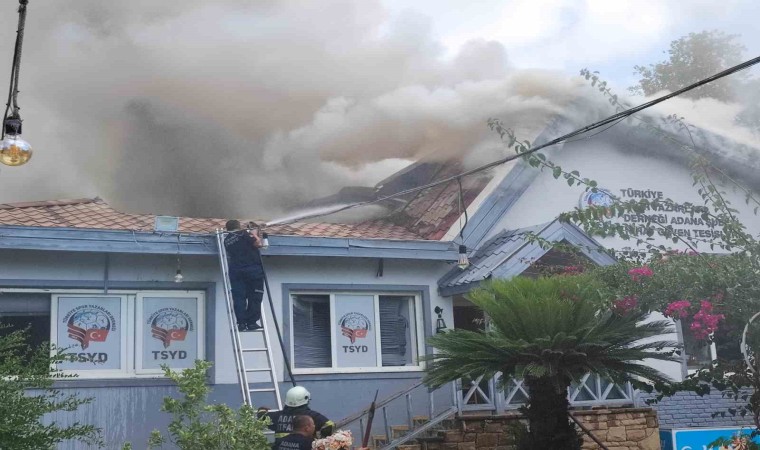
{"x":462,"y":206}
{"x":613,"y":120}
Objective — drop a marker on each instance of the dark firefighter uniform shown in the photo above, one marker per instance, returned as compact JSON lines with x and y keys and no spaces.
{"x":282,"y":421}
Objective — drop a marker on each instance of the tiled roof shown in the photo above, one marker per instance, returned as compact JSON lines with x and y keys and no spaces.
{"x":432,"y":212}
{"x":97,"y":214}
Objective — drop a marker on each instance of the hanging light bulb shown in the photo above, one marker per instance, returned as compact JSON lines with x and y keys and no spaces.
{"x":178,"y":277}
{"x":464,"y":261}
{"x":14,"y":151}
{"x":264,"y":240}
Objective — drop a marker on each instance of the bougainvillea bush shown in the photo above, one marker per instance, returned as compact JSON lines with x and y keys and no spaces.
{"x":712,"y":296}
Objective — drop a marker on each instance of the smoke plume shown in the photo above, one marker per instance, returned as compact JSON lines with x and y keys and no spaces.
{"x":248,"y":108}
{"x":251,"y":108}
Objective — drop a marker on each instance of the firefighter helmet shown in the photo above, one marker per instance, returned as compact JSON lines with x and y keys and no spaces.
{"x":297,"y":396}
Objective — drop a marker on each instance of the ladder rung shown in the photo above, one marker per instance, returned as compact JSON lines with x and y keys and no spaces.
{"x":237,"y":340}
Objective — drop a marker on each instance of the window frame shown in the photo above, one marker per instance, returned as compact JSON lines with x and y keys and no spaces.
{"x":417,"y":333}
{"x":129,"y":344}
{"x":685,"y":356}
{"x":124,"y":350}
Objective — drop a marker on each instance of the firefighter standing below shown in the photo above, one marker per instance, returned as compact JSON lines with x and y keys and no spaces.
{"x":297,"y":404}
{"x":301,"y":437}
{"x":246,"y":275}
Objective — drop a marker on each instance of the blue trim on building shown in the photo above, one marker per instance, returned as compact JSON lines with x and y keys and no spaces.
{"x":110,"y":241}
{"x":509,"y":190}
{"x":508,"y":254}
{"x":287,"y":288}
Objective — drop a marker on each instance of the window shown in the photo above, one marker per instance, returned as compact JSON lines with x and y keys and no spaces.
{"x":354,"y":331}
{"x":26,"y":310}
{"x":90,"y":329}
{"x":696,"y":354}
{"x":124,"y":334}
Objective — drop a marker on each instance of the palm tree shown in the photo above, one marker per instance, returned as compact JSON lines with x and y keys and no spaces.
{"x":550,"y":331}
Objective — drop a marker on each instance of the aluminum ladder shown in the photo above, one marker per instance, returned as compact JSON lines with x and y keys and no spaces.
{"x":251,"y":348}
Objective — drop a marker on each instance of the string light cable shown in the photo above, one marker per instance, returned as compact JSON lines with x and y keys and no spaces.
{"x":609,"y":122}
{"x":15,"y":151}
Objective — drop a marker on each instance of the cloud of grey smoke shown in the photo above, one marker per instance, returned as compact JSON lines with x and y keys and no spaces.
{"x":250,"y":108}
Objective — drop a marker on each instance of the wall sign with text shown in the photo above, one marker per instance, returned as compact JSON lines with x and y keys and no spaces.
{"x":168,"y":330}
{"x":356,"y":330}
{"x":90,"y":328}
{"x":686,"y":219}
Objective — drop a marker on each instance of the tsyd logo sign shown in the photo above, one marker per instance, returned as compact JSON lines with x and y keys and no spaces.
{"x":89,"y":323}
{"x":170,"y":324}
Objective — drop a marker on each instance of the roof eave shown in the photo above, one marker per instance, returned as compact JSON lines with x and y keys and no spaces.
{"x":145,"y":242}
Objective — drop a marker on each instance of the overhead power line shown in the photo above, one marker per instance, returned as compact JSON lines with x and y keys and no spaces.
{"x":609,"y":120}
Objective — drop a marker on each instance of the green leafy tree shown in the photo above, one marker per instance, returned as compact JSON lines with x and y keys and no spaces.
{"x":690,"y":59}
{"x":549,"y":331}
{"x":198,"y":425}
{"x":27,"y":395}
{"x":697,"y":56}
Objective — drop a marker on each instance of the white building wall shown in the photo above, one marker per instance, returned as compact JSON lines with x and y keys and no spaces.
{"x":615,"y":169}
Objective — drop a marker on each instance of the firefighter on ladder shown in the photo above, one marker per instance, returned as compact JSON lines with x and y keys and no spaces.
{"x":246,"y":274}
{"x":297,"y":404}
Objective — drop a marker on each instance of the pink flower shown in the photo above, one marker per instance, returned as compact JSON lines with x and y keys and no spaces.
{"x":705,"y":322}
{"x":678,"y":309}
{"x":638,"y":273}
{"x":625,"y":304}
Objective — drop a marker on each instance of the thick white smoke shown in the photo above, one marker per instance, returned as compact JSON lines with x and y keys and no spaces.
{"x":251,"y":107}
{"x":248,"y":108}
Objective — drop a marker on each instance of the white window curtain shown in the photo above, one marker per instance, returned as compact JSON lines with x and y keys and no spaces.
{"x":395,"y":333}
{"x":311,"y":331}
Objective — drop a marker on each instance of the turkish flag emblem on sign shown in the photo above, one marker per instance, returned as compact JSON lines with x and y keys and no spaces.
{"x":177,"y":335}
{"x":353,"y":333}
{"x":97,"y":335}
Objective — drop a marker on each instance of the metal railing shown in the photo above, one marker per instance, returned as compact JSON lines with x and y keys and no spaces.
{"x":467,"y":396}
{"x":590,"y":390}
{"x":403,"y":402}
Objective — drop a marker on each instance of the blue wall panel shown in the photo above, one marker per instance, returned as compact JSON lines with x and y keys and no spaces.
{"x":130,"y":413}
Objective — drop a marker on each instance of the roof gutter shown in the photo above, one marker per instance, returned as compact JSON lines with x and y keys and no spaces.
{"x":145,"y":242}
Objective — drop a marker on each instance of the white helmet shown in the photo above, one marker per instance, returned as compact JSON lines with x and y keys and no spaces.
{"x":297,"y":396}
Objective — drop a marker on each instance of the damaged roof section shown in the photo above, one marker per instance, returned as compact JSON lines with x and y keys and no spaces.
{"x":432,"y":212}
